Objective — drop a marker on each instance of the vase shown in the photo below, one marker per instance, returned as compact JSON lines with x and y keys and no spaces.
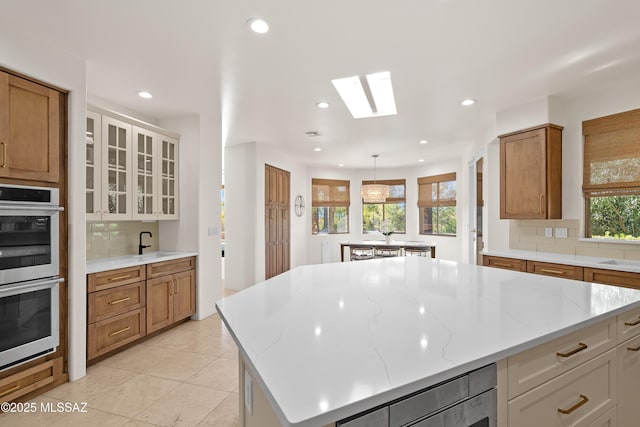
{"x":387,"y":239}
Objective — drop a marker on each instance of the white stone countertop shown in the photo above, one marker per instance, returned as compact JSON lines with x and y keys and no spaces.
{"x":329,"y":341}
{"x":577,"y":260}
{"x":106,"y":264}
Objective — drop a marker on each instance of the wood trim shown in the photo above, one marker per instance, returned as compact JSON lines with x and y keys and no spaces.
{"x":626,"y":120}
{"x":546,"y":125}
{"x":34,"y":80}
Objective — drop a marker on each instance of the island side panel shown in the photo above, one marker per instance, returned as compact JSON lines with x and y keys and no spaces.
{"x":503,"y":395}
{"x":263,"y":414}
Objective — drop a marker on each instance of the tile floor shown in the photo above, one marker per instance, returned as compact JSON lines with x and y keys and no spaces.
{"x":187,"y":376}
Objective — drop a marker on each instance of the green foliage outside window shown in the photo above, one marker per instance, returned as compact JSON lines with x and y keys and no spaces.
{"x":374,"y":214}
{"x":616,"y":217}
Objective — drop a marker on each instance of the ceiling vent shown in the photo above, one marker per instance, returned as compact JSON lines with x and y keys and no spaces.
{"x":312,"y":133}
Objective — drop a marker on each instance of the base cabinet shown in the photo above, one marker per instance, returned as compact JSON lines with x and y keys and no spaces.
{"x":629,"y":384}
{"x":170,"y":298}
{"x":48,"y":373}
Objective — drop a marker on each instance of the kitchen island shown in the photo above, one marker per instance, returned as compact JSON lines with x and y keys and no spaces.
{"x":321,"y":343}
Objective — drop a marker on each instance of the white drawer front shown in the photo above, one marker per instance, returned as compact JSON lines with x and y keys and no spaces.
{"x":586,"y":393}
{"x":539,"y":364}
{"x":628,"y":324}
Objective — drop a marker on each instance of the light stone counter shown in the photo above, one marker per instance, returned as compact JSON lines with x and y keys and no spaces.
{"x":106,"y":264}
{"x":577,"y":260}
{"x":325,"y":342}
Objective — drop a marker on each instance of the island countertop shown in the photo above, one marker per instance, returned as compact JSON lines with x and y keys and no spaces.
{"x":328,"y":341}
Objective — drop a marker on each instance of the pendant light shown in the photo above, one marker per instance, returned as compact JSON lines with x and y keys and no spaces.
{"x":374,"y":193}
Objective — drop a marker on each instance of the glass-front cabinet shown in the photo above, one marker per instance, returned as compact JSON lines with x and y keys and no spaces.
{"x":93,"y":166}
{"x":132,"y":170}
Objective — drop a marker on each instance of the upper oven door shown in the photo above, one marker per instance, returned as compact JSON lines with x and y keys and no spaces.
{"x":29,"y":242}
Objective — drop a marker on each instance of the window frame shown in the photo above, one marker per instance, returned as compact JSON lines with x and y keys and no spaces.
{"x":330,"y":204}
{"x":389,"y":201}
{"x":426,"y":203}
{"x":609,"y":138}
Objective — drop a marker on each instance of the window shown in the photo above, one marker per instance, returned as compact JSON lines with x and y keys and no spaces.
{"x":611,"y":180}
{"x":393,"y":212}
{"x":330,"y":206}
{"x":437,"y":204}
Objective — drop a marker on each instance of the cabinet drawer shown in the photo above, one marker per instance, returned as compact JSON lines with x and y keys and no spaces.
{"x":612,"y":277}
{"x":163,"y":268}
{"x":29,"y":380}
{"x":628,"y":324}
{"x":505,"y":263}
{"x":112,"y":278}
{"x":115,"y":332}
{"x":555,"y":270}
{"x":111,"y":302}
{"x":583,"y":394}
{"x":541,"y":363}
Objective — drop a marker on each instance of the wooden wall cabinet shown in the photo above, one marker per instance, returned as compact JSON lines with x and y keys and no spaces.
{"x":171,"y":292}
{"x":531,"y":173}
{"x":31,"y":130}
{"x":277,"y":221}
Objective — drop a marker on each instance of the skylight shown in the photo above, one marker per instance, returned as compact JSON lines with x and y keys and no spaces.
{"x":369,"y":96}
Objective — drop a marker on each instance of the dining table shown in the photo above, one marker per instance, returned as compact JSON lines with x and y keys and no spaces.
{"x":392,"y":244}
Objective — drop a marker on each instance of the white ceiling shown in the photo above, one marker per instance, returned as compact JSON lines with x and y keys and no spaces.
{"x":198,"y":56}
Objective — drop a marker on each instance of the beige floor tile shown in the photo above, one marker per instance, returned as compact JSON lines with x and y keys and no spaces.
{"x":221,"y":374}
{"x":188,"y":341}
{"x":227,"y":414}
{"x":179,"y":366}
{"x":93,"y":417}
{"x":138,"y":358}
{"x":231,"y":354}
{"x":136,"y":423}
{"x":186,"y":405}
{"x":132,"y":397}
{"x":99,"y":379}
{"x":36,"y":416}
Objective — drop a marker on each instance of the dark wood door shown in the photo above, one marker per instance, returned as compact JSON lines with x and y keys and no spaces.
{"x":277,"y":221}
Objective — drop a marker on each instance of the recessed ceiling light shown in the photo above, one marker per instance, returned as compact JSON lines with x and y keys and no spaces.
{"x":424,"y":141}
{"x":421,"y":160}
{"x":258,"y":25}
{"x":468,"y":102}
{"x":341,"y":165}
{"x":317,"y":149}
{"x":368,"y":96}
{"x":322,"y":104}
{"x":145,"y":95}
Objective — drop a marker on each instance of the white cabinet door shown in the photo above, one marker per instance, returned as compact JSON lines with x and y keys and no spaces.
{"x":116,"y":169}
{"x":145,"y":174}
{"x":93,"y":164}
{"x":629,"y":382}
{"x":168,"y":184}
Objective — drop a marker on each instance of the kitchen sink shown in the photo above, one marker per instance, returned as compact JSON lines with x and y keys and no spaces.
{"x":620,"y":262}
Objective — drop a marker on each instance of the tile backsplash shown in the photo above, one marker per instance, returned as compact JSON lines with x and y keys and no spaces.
{"x":117,"y":238}
{"x":529,"y":235}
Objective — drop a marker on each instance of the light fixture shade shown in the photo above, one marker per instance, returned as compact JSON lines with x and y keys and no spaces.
{"x":374,"y":193}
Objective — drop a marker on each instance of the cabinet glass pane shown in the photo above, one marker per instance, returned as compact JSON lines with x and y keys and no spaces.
{"x":140,"y":143}
{"x":171,"y":188}
{"x":112,"y":136}
{"x":140,"y":163}
{"x":111,"y":183}
{"x":148,"y":204}
{"x":171,"y":169}
{"x":122,"y":138}
{"x":140,"y":184}
{"x":122,"y":203}
{"x":149,"y":143}
{"x":112,"y":152}
{"x":172,"y":208}
{"x":122,"y":159}
{"x":112,"y":202}
{"x":89,"y":185}
{"x":165,"y":204}
{"x":165,"y":186}
{"x":172,"y":155}
{"x":90,"y":154}
{"x":140,"y":204}
{"x":90,"y":131}
{"x":165,"y":149}
{"x":149,"y":165}
{"x":89,"y":202}
{"x":122,"y":180}
{"x":149,"y":188}
{"x":164,"y":168}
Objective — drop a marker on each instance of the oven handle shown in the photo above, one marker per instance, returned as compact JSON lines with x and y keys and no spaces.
{"x":31,"y":208}
{"x":28,"y":285}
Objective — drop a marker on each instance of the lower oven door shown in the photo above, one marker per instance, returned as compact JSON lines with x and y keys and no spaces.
{"x":479,"y":411}
{"x":29,"y":320}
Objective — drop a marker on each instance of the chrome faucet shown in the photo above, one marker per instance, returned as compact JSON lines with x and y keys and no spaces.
{"x":140,"y":245}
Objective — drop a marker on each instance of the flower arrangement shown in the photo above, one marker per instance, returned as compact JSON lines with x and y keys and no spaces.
{"x":385,"y":228}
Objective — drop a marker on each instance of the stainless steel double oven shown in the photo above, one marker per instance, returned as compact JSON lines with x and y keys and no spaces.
{"x":29,"y":269}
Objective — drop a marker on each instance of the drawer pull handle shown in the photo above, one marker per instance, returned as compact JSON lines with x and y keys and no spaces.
{"x":120,"y":277}
{"x":581,"y":346}
{"x":113,"y":334}
{"x":634,"y":348}
{"x":4,"y":154}
{"x":583,"y":399}
{"x":502,"y":264}
{"x":118,"y":301}
{"x":546,"y":270}
{"x":634,"y":323}
{"x":9,"y":391}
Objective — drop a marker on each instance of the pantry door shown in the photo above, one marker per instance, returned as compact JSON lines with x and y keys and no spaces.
{"x":277,"y":209}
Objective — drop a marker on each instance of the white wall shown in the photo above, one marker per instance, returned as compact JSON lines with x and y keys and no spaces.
{"x":21,"y":53}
